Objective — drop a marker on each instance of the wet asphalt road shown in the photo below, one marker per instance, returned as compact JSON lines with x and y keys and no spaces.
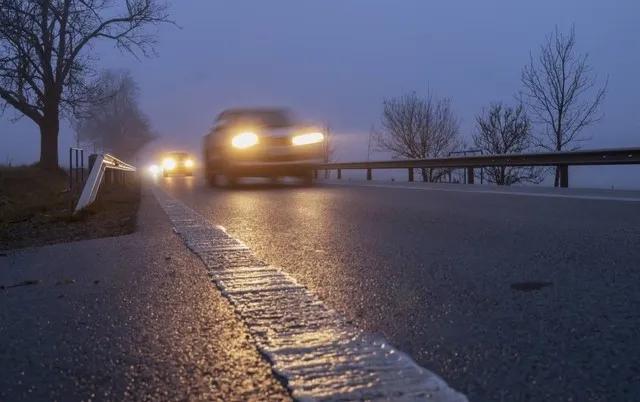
{"x":437,"y":273}
{"x":129,"y":318}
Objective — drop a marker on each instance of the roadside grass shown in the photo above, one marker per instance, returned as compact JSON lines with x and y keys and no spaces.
{"x":36,"y":209}
{"x":27,"y":191}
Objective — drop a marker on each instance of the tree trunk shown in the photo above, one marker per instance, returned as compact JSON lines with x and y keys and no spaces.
{"x":49,"y":128}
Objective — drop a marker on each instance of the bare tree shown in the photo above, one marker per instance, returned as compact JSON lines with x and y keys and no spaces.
{"x":506,"y":130}
{"x":561,"y":93}
{"x":418,"y":128}
{"x":113,"y":121}
{"x":44,"y":62}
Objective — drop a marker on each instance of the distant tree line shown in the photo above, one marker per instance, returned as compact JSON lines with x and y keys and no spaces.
{"x":112,"y":120}
{"x":559,"y":92}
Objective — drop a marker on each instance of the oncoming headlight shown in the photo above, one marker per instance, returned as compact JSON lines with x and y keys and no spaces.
{"x":305,"y":139}
{"x":244,"y":140}
{"x":188,"y":163}
{"x":169,"y":163}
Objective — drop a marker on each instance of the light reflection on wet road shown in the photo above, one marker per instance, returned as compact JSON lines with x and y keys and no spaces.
{"x":433,"y":271}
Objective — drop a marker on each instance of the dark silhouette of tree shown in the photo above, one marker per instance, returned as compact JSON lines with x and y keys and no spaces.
{"x":418,"y":128}
{"x":561,"y":93}
{"x":113,"y":120}
{"x":44,"y":59}
{"x":506,"y":130}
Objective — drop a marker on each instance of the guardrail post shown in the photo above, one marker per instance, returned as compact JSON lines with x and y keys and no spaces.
{"x":77,"y":165}
{"x":410,"y":174}
{"x":92,"y":160}
{"x":82,"y":166}
{"x":564,"y":175}
{"x":369,"y":174}
{"x":339,"y":174}
{"x":70,"y":172}
{"x":470,"y":176}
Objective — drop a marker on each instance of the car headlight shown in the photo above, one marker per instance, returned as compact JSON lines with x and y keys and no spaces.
{"x":244,"y":140}
{"x":169,"y":164}
{"x":305,"y":139}
{"x":154,"y":169}
{"x":188,"y":163}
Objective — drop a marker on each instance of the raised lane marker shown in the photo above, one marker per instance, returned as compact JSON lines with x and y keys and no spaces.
{"x":318,"y":354}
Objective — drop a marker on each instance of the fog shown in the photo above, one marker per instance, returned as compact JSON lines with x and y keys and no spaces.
{"x":334,"y":62}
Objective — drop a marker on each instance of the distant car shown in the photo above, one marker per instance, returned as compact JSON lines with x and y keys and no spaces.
{"x":177,"y":163}
{"x":260,"y":143}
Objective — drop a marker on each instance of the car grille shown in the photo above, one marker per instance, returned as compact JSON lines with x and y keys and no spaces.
{"x":276,"y":141}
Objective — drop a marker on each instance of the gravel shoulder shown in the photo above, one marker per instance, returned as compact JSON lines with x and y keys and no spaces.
{"x":133,"y":317}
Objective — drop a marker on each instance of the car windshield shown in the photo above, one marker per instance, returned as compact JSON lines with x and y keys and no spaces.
{"x":262,"y":117}
{"x":178,"y":155}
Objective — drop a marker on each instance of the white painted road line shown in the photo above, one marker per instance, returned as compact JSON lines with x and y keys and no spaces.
{"x":491,"y":192}
{"x":320,"y":356}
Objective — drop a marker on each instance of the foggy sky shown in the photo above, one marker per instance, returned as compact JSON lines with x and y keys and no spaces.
{"x":335,"y":61}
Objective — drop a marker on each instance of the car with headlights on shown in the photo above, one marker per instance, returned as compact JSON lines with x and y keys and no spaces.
{"x":261,"y":143}
{"x":177,"y":163}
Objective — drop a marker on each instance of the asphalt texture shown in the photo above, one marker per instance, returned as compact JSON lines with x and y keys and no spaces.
{"x":508,"y":297}
{"x":125,"y":318}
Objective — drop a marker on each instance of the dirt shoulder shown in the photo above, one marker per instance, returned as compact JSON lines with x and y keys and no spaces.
{"x":35,"y":209}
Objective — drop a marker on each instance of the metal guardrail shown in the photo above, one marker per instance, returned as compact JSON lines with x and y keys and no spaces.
{"x":100,"y":165}
{"x":620,"y":156}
